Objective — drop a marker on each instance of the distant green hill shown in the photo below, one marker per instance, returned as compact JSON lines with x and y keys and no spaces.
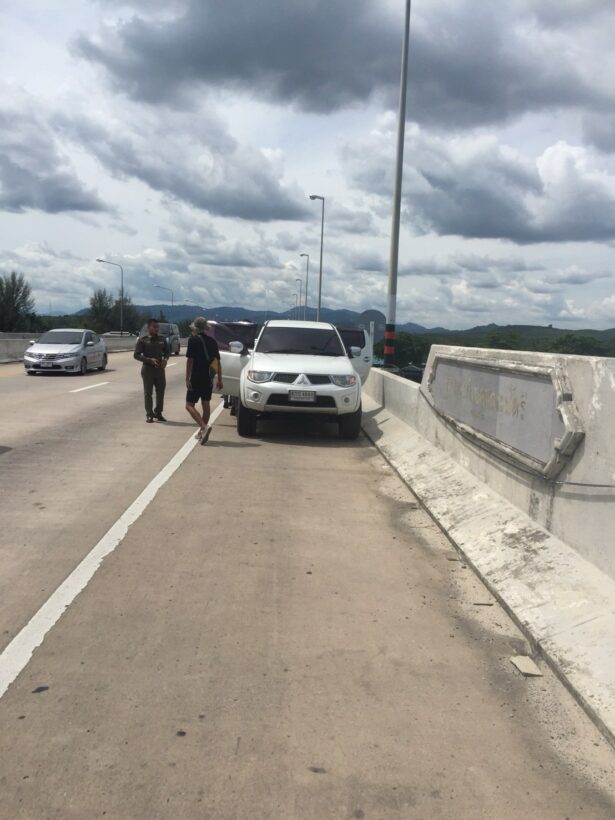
{"x":414,"y":347}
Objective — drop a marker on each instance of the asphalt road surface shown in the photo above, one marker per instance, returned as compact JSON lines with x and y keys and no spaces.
{"x":282,"y":633}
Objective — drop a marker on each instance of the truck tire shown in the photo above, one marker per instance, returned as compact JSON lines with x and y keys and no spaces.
{"x":350,"y":425}
{"x":246,"y":420}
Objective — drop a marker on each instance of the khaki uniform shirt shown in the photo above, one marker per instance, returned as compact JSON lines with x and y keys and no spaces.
{"x":151,"y":347}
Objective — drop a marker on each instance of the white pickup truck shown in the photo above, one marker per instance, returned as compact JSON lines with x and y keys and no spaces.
{"x":297,"y":367}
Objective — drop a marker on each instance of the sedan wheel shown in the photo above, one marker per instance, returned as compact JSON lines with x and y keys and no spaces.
{"x":83,"y":367}
{"x":104,"y":362}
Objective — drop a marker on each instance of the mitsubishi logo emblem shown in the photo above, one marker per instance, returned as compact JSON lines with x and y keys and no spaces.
{"x":302,"y":379}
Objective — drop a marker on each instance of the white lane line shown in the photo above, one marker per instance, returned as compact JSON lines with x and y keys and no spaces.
{"x":89,"y":387}
{"x":19,"y":651}
{"x":172,"y":364}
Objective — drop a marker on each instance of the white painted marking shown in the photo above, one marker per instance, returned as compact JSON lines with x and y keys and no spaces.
{"x":19,"y":651}
{"x":172,"y":364}
{"x":89,"y":387}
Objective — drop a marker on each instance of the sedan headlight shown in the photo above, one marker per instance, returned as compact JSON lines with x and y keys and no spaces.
{"x":260,"y":376}
{"x":343,"y":381}
{"x":67,"y":355}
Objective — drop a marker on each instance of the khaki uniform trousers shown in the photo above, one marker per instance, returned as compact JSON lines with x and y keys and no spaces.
{"x":153,"y":377}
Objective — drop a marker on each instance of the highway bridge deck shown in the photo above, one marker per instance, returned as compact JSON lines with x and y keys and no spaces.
{"x":283,"y":632}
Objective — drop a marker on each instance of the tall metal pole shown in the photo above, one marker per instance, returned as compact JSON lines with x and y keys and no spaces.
{"x":117,"y":265}
{"x":389,"y":331}
{"x":300,"y":296}
{"x":322,"y":234}
{"x":307,"y":279}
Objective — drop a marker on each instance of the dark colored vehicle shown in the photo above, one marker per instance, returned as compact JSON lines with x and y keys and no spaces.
{"x":171,"y":334}
{"x":226,"y":332}
{"x":412,"y":372}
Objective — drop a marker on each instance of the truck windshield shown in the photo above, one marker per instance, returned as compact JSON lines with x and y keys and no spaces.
{"x":302,"y":340}
{"x":61,"y":337}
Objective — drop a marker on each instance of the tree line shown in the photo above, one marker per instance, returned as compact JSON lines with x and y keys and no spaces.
{"x":18,"y":314}
{"x":413,"y":348}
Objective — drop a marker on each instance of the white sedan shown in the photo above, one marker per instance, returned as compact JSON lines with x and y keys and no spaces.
{"x":295,"y":367}
{"x":66,"y":350}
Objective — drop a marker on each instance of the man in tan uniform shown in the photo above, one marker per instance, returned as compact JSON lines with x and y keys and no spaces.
{"x":153,"y":352}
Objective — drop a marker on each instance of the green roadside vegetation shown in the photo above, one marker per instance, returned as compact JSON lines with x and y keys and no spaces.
{"x":414,"y":347}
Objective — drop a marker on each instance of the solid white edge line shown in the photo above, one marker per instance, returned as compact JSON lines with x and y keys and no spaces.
{"x":17,"y":654}
{"x":89,"y":387}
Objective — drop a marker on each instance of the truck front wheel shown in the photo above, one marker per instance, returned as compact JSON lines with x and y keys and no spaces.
{"x":246,"y":420}
{"x":350,"y":425}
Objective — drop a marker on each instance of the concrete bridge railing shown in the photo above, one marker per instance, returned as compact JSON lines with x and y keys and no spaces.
{"x":513,"y":455}
{"x":536,"y":428}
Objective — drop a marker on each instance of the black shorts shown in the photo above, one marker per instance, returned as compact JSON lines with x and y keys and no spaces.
{"x":199,"y":391}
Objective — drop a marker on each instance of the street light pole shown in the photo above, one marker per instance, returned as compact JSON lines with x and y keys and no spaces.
{"x":307,"y":280}
{"x":322,"y":234}
{"x":300,"y":296}
{"x":296,"y":301}
{"x":389,"y":331}
{"x":117,"y":265}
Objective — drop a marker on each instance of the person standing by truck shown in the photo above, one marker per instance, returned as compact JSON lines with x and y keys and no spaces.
{"x":153,"y":353}
{"x":202,"y":356}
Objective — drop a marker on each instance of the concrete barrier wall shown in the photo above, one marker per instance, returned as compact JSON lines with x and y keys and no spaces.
{"x":578,"y":504}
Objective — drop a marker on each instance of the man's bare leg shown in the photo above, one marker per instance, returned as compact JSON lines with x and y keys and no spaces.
{"x":197,"y":417}
{"x":206,"y":412}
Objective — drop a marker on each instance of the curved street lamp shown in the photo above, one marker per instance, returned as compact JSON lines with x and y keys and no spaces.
{"x":117,"y":265}
{"x":307,"y":279}
{"x":322,"y":234}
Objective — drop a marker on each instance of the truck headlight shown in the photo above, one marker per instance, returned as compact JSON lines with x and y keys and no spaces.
{"x":259,"y":376}
{"x":344,"y":381}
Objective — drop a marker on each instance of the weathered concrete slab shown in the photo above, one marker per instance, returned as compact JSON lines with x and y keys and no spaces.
{"x":564,"y":603}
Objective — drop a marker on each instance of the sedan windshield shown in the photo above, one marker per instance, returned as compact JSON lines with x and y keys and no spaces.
{"x":303,"y":340}
{"x":61,"y":337}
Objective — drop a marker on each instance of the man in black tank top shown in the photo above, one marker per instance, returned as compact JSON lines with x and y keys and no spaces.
{"x":202,"y":356}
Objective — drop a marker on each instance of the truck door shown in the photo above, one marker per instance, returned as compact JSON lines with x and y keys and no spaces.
{"x":232,"y":365}
{"x":355,"y":337}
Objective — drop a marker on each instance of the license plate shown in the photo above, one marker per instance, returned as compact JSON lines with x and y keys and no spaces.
{"x":301,"y":395}
{"x":46,"y":364}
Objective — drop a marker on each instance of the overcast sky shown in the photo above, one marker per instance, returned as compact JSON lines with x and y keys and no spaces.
{"x":182,"y":139}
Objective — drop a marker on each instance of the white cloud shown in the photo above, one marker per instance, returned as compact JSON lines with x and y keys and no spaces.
{"x":186,"y":147}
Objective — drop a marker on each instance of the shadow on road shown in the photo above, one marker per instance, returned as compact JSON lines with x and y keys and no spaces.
{"x":58,"y":375}
{"x":302,"y":431}
{"x":169,"y":423}
{"x":214,"y":443}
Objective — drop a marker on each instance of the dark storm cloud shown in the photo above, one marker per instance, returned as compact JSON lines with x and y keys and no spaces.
{"x":196,"y":163}
{"x":575,"y":276}
{"x":477,"y":188}
{"x":599,"y":130}
{"x":34,"y":174}
{"x":351,"y":221}
{"x":465,"y":68}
